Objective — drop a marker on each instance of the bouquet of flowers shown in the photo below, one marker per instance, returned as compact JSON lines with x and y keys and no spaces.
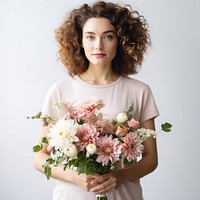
{"x":84,"y":139}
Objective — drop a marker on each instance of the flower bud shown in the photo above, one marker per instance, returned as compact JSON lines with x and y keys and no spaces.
{"x":71,"y":150}
{"x":122,"y":117}
{"x":91,"y":149}
{"x":133,"y":123}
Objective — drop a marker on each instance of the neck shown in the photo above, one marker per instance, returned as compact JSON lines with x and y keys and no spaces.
{"x":98,"y":75}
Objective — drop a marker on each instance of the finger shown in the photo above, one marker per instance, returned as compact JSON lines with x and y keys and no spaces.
{"x":98,"y":179}
{"x":104,"y":188}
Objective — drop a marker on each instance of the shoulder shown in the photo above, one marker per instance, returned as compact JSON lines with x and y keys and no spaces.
{"x":134,"y":83}
{"x":63,"y":84}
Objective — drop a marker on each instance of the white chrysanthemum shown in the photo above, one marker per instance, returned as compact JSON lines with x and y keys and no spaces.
{"x":63,"y":133}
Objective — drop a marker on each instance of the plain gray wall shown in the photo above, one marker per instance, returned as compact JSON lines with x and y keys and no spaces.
{"x":29,"y":66}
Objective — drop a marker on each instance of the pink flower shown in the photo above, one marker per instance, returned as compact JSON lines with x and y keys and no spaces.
{"x":105,"y":127}
{"x":132,"y":146}
{"x":133,"y":124}
{"x":108,"y":150}
{"x":91,"y":118}
{"x":87,"y":134}
{"x":67,"y":110}
{"x":89,"y":106}
{"x":121,"y":130}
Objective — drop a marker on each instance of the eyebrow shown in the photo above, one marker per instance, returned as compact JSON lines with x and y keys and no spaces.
{"x":108,"y":31}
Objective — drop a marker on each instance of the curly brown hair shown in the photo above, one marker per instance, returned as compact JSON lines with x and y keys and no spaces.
{"x":131,"y":29}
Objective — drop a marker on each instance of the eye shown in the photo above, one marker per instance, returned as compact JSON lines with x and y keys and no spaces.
{"x":90,"y":37}
{"x":109,"y":37}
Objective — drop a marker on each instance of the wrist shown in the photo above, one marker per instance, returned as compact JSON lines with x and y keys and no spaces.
{"x":120,"y":176}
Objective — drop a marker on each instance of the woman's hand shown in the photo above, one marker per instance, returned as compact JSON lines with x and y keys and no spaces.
{"x":84,"y":181}
{"x":102,"y":184}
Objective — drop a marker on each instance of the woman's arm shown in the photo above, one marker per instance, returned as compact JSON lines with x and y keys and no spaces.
{"x":58,"y":172}
{"x":149,"y":160}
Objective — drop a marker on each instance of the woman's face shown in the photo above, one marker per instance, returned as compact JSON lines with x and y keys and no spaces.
{"x":99,"y":41}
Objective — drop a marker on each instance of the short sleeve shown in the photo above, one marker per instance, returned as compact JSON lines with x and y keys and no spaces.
{"x":51,"y":99}
{"x":149,"y":109}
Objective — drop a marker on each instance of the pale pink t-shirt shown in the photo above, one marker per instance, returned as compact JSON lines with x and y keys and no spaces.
{"x":118,"y":96}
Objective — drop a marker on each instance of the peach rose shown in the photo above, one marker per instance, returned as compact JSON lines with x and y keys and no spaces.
{"x":121,"y":130}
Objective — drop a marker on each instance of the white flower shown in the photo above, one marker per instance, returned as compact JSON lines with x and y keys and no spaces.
{"x":122,"y":117}
{"x":91,"y":149}
{"x":145,"y":133}
{"x":63,"y":133}
{"x":71,"y":151}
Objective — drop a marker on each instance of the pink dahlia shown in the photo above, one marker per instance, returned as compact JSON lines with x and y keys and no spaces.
{"x":90,"y":105}
{"x":91,"y":118}
{"x":132,"y":146}
{"x":67,"y":110}
{"x":87,"y":134}
{"x":105,"y":127}
{"x":108,"y":149}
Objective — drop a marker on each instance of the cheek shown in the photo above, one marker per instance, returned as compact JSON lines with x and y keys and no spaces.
{"x":114,"y":49}
{"x":86,"y":44}
{"x":114,"y":46}
{"x":87,"y":49}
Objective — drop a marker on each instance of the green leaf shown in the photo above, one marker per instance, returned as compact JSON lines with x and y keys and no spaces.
{"x":45,"y":140}
{"x":87,"y":165}
{"x":129,"y":113}
{"x":37,"y":148}
{"x":47,"y":168}
{"x":50,"y":161}
{"x":59,"y":160}
{"x":47,"y":171}
{"x":127,"y":163}
{"x":166,"y":127}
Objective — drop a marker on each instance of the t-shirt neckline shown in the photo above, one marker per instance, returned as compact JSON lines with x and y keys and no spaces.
{"x":98,"y":86}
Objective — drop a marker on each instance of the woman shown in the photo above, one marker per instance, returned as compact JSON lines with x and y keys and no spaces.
{"x":100,"y":45}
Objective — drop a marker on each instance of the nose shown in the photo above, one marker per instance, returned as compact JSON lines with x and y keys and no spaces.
{"x":98,"y":44}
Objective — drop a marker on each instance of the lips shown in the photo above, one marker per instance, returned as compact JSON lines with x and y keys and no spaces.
{"x":98,"y":55}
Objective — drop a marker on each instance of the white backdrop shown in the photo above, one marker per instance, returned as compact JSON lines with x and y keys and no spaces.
{"x":28,"y":67}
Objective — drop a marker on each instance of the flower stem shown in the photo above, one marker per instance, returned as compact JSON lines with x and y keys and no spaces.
{"x":101,"y":197}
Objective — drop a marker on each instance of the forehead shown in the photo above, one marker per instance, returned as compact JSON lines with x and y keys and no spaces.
{"x":98,"y":25}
